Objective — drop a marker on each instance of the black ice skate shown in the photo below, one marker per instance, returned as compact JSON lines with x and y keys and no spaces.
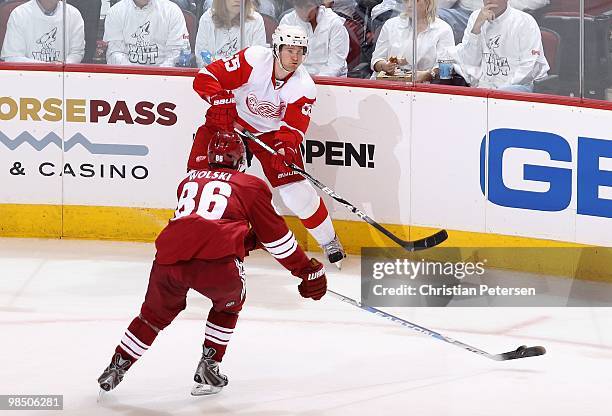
{"x":207,"y":376}
{"x":114,"y":373}
{"x":334,"y":252}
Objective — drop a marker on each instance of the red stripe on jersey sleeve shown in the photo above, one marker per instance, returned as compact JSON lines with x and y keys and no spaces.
{"x":271,"y":227}
{"x":224,"y":74}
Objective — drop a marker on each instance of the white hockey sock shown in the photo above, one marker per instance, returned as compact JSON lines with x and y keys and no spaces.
{"x":302,"y":199}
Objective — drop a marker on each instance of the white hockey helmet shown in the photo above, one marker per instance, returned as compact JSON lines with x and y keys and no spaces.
{"x":289,"y":35}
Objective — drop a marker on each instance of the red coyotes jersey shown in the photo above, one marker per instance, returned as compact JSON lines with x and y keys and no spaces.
{"x":214,"y":210}
{"x":263,"y":103}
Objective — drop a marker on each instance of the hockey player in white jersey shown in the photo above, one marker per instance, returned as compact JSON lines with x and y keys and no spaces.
{"x":145,"y":32}
{"x":270,"y":94}
{"x":35,"y":33}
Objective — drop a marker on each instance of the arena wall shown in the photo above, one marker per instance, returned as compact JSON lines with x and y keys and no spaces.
{"x":98,"y":155}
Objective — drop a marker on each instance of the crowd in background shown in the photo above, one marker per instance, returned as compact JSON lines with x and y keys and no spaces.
{"x":497,"y":44}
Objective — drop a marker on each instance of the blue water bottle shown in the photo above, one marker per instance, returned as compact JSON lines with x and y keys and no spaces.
{"x":206,"y":57}
{"x":184,"y":59}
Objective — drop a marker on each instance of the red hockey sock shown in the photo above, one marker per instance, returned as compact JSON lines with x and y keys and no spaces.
{"x":136,"y":340}
{"x":219,"y":329}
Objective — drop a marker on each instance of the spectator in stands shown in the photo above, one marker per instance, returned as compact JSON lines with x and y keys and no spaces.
{"x":394,"y":46}
{"x":90,"y":11}
{"x":391,"y":7}
{"x":266,"y":7}
{"x":219,"y":30}
{"x":457,"y":12}
{"x":343,"y":8}
{"x":145,"y":32}
{"x":501,"y":49}
{"x":328,"y":40}
{"x":383,"y":12}
{"x":347,"y":9}
{"x":35,"y":33}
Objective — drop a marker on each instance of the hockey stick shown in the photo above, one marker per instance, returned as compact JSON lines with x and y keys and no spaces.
{"x":521,"y":352}
{"x":423,"y":243}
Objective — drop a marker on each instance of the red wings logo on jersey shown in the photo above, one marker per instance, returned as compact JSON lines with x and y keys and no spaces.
{"x":307,"y":109}
{"x":264,"y":108}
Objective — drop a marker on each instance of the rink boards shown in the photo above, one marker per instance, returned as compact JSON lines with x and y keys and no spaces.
{"x":98,"y":155}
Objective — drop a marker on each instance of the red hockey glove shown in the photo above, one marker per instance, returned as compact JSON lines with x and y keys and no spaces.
{"x":285,"y":155}
{"x":251,"y":242}
{"x":314,"y":282}
{"x":222,"y":113}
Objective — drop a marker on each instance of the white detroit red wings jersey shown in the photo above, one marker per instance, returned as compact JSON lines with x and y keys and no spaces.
{"x":263,"y":104}
{"x":214,"y":210}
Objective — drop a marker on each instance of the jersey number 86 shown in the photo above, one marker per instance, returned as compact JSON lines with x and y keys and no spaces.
{"x":211,"y":204}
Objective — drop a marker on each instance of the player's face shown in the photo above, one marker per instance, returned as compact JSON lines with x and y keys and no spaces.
{"x":49,"y":5}
{"x":499,"y":6}
{"x":291,"y":57}
{"x":307,"y":12}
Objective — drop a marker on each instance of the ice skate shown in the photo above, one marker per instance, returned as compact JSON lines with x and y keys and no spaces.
{"x":207,"y":376}
{"x":114,"y":373}
{"x":334,"y":252}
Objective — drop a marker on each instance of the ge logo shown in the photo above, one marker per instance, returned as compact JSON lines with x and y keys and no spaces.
{"x":306,"y":109}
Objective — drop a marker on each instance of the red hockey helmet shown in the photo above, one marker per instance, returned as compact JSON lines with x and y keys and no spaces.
{"x":227,"y":149}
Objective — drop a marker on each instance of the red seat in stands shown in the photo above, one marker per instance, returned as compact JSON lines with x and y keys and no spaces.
{"x":591,"y":7}
{"x":352,"y":59}
{"x":550,"y":42}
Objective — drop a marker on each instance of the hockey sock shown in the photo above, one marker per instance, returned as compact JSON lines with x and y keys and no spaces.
{"x":302,"y":199}
{"x":136,"y":340}
{"x":319,"y":225}
{"x":219,"y":329}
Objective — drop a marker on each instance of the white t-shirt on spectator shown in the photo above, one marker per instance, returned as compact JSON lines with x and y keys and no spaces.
{"x":396,"y":40}
{"x":328,"y":45}
{"x":508,"y":51}
{"x":32,"y":36}
{"x":153,"y":35}
{"x":478,"y":4}
{"x":225,"y":42}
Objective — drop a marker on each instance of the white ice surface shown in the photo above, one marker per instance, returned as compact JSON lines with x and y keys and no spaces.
{"x":65,"y":304}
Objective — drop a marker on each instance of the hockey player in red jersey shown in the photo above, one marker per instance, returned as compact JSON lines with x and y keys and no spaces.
{"x":202,"y":248}
{"x":270,"y":94}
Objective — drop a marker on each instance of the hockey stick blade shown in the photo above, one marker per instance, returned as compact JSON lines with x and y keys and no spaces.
{"x":521,"y":352}
{"x":427,"y":242}
{"x":422,"y":244}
